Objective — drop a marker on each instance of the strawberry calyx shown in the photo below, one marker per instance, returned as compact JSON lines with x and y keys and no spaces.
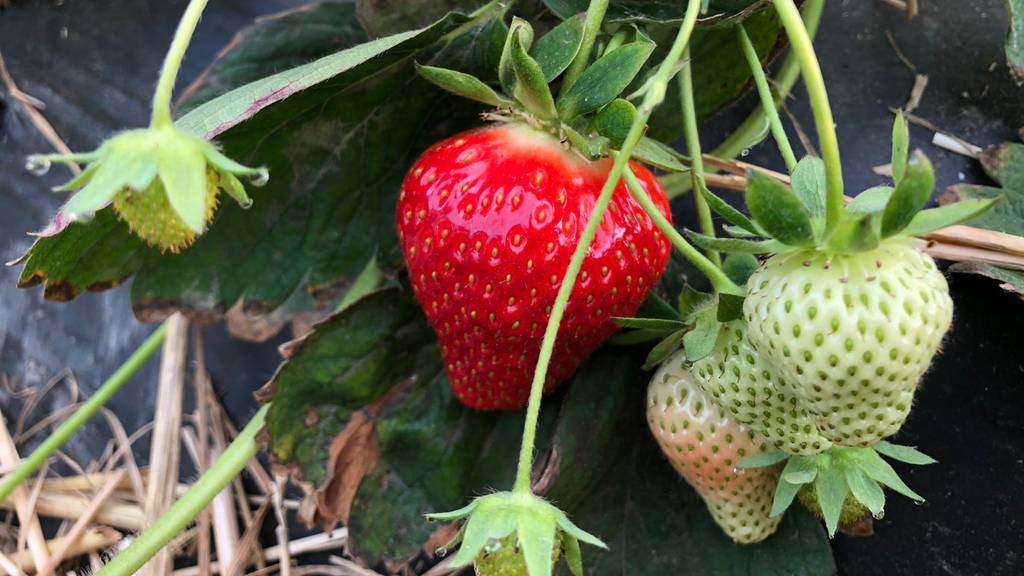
{"x":536,"y":524}
{"x":789,"y":218}
{"x":587,"y":115}
{"x":839,"y":474}
{"x":176,"y":177}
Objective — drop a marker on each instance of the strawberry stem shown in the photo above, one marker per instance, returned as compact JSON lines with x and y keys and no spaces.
{"x":767,"y":101}
{"x":591,"y":26}
{"x":54,"y":441}
{"x":655,"y":94}
{"x":715,"y":275}
{"x":803,"y":47}
{"x":172,"y":63}
{"x":707,"y":226}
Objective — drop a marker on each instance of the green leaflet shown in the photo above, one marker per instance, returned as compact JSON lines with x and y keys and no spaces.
{"x":556,"y":49}
{"x":910,"y":196}
{"x":778,"y":210}
{"x":605,"y":79}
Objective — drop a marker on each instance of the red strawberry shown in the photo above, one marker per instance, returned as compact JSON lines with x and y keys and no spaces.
{"x":488,"y":220}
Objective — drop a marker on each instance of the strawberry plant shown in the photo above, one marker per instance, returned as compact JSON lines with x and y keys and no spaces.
{"x":470,"y":199}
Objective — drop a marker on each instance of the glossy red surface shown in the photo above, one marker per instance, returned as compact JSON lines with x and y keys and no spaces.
{"x":488,"y":221}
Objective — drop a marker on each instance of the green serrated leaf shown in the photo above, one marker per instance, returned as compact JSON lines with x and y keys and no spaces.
{"x":730,"y":307}
{"x":778,"y":210}
{"x":614,"y":121}
{"x":870,"y":201}
{"x":873,"y":465}
{"x":654,"y":153}
{"x":739,"y":267}
{"x":762,"y":460}
{"x":800,"y":470}
{"x":604,"y":80}
{"x":531,"y":89}
{"x":465,"y":85}
{"x":910,"y":196}
{"x":556,"y":49}
{"x":865,"y":490}
{"x":831,"y":490}
{"x":809,"y":185}
{"x":649,"y":323}
{"x":855,"y":233}
{"x":700,"y":341}
{"x":934,"y":219}
{"x":664,"y":349}
{"x":900,"y":147}
{"x":907,"y":454}
{"x":734,"y":245}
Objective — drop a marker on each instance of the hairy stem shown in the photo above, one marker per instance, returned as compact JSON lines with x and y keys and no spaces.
{"x":803,"y":47}
{"x":654,"y":95}
{"x":172,"y":63}
{"x":60,"y":436}
{"x":767,"y":100}
{"x":198,"y":497}
{"x":591,"y":26}
{"x":689,"y":108}
{"x":718,"y":279}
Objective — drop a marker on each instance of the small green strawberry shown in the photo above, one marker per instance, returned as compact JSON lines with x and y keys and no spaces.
{"x":704,"y":444}
{"x":855,"y":331}
{"x":504,"y":557}
{"x":750,"y":390}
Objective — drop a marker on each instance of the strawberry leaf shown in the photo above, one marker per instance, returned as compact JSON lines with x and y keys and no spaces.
{"x":556,"y":49}
{"x":1015,"y":39}
{"x":521,"y":30}
{"x":531,"y":89}
{"x":658,"y":155}
{"x":659,"y":11}
{"x":910,"y":196}
{"x":778,"y":210}
{"x":732,"y":215}
{"x":605,"y":79}
{"x":809,"y":186}
{"x":900,"y":147}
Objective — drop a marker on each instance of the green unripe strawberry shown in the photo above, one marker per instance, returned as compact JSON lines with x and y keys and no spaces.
{"x":704,"y":444}
{"x":852,"y":333}
{"x":504,"y":558}
{"x":750,"y":390}
{"x":151,"y":217}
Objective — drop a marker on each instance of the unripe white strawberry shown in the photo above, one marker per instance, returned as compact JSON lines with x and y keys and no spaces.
{"x":853,"y":333}
{"x":704,"y":444}
{"x":750,"y":389}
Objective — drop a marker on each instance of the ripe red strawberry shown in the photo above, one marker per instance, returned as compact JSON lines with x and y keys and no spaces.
{"x":488,"y":220}
{"x":704,"y":444}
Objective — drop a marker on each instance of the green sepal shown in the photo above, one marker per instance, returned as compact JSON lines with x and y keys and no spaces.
{"x":809,"y":185}
{"x":855,"y":233}
{"x":635,"y":337}
{"x":762,"y":460}
{"x":900,"y":147}
{"x":462,"y":84}
{"x":700,"y":341}
{"x":730,"y":213}
{"x":79,"y":180}
{"x":785,"y":492}
{"x":537,"y":537}
{"x":649,"y":323}
{"x":934,"y":219}
{"x":733,"y":245}
{"x":614,"y":121}
{"x":522,"y":30}
{"x":555,"y":50}
{"x":778,"y":210}
{"x":740,"y":267}
{"x":738,"y":232}
{"x":605,"y":79}
{"x":182,"y":171}
{"x":654,"y":153}
{"x":662,"y":350}
{"x":654,"y":306}
{"x":691,"y":299}
{"x":801,"y":470}
{"x":873,"y":465}
{"x":730,"y":307}
{"x":831,"y":489}
{"x":906,"y":454}
{"x":910,"y":196}
{"x":870,"y":201}
{"x":591,"y":147}
{"x":531,"y":89}
{"x":233,"y":186}
{"x":573,"y":557}
{"x":865,"y":490}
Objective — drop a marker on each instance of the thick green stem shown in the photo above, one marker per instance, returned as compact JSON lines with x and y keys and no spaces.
{"x":198,"y":497}
{"x":751,"y":130}
{"x":718,"y":279}
{"x":654,"y":95}
{"x":591,"y":26}
{"x":767,"y":100}
{"x":84,"y":413}
{"x":689,"y":107}
{"x":172,"y":63}
{"x":803,"y":47}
